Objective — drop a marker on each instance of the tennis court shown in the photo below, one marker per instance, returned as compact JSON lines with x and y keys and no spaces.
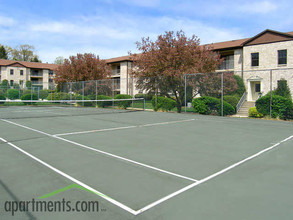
{"x":145,"y":165}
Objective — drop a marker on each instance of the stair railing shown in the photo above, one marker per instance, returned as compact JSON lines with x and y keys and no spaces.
{"x":241,"y":101}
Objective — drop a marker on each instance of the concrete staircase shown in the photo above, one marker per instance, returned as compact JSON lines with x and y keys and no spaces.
{"x":243,"y":111}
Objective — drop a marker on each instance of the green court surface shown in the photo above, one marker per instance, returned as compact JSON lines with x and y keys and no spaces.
{"x":146,"y":165}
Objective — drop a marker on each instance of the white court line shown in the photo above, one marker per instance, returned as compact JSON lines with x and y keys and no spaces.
{"x":103,"y":152}
{"x":92,"y":131}
{"x":119,"y":128}
{"x":119,"y":204}
{"x":211,"y":176}
{"x":189,"y":186}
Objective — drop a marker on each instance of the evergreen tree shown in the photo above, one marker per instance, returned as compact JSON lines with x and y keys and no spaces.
{"x":3,"y":53}
{"x":283,"y":89}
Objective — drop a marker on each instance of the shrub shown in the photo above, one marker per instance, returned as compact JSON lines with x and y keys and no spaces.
{"x":281,"y":106}
{"x":2,"y":97}
{"x":163,"y":103}
{"x":29,"y":97}
{"x":283,"y":89}
{"x":147,"y":97}
{"x":43,"y":94}
{"x":13,"y":94}
{"x":200,"y":106}
{"x":4,"y":84}
{"x":80,"y":97}
{"x":123,"y":104}
{"x":240,"y":84}
{"x":227,"y":109}
{"x":232,"y":100}
{"x":254,"y":113}
{"x":58,"y":96}
{"x":28,"y":84}
{"x":211,"y":106}
{"x":103,"y":104}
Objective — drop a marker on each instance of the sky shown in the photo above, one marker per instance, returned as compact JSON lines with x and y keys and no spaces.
{"x":110,"y":28}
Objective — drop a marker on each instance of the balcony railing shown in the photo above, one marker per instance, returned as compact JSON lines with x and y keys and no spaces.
{"x":37,"y":83}
{"x":36,"y":74}
{"x":115,"y":72}
{"x":226,"y":65}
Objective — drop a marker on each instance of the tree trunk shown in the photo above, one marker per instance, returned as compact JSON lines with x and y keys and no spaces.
{"x":179,"y":107}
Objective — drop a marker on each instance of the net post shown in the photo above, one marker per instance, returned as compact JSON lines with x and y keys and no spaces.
{"x":144,"y":104}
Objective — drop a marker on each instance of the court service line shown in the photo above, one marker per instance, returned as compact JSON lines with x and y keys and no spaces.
{"x":103,"y":152}
{"x":211,"y":176}
{"x":120,"y":128}
{"x":119,"y":204}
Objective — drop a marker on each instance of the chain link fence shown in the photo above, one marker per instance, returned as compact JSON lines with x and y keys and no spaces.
{"x":220,"y":90}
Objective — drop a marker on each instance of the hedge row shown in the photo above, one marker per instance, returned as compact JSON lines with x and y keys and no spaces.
{"x":281,"y":107}
{"x":207,"y":105}
{"x":16,"y":93}
{"x":163,"y":103}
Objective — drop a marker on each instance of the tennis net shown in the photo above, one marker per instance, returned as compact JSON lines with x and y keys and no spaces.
{"x":14,"y":109}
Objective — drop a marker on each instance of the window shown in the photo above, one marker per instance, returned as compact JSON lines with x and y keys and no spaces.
{"x":11,"y":82}
{"x":282,"y":57}
{"x":21,"y":72}
{"x":257,"y":87}
{"x":254,"y":59}
{"x":118,"y":69}
{"x":228,"y":63}
{"x":20,"y":82}
{"x":51,"y":73}
{"x":11,"y":72}
{"x":50,"y":80}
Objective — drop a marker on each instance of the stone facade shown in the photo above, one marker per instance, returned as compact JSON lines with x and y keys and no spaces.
{"x":19,"y":72}
{"x":259,"y":80}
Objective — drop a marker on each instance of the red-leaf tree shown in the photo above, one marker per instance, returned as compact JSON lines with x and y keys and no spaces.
{"x":82,"y":67}
{"x":162,"y":64}
{"x":209,"y":84}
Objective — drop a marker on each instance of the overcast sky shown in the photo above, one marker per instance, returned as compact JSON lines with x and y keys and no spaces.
{"x":110,"y":28}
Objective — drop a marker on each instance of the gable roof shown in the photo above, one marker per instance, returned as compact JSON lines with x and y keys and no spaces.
{"x":268,"y":36}
{"x":33,"y":65}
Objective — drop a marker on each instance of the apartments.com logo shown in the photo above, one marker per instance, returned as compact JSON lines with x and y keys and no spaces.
{"x":35,"y":205}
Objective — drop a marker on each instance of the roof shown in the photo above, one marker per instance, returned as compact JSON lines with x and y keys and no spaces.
{"x":241,"y":42}
{"x":268,"y":36}
{"x":227,"y":44}
{"x":118,"y":59}
{"x":34,"y":65}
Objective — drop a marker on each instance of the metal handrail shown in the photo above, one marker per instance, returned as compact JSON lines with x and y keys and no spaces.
{"x":241,"y":101}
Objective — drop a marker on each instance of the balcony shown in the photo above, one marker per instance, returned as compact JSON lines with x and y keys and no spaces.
{"x":37,"y":83}
{"x":227,"y":65}
{"x":36,"y":74}
{"x":115,"y":73}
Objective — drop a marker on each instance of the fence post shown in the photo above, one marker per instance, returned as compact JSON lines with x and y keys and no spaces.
{"x":82,"y":93}
{"x":271,"y":95}
{"x":185,"y":91}
{"x":222,"y":94}
{"x":112,"y":82}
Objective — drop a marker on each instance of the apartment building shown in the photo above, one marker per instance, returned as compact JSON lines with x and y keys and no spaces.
{"x":261,"y":61}
{"x":19,"y":72}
